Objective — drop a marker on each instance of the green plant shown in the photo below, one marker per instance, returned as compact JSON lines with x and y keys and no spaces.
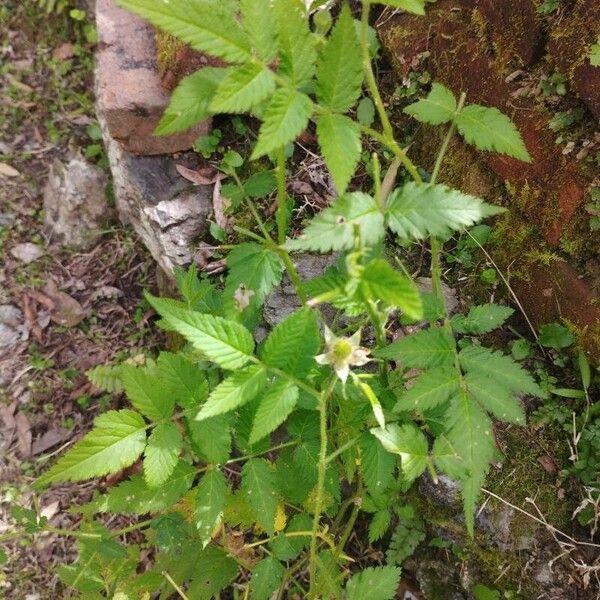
{"x":243,"y":448}
{"x":595,"y":54}
{"x":54,"y":6}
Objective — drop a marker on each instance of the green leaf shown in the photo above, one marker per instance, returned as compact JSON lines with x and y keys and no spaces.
{"x":239,"y":388}
{"x":339,"y":139}
{"x":134,"y":497}
{"x":482,"y":592}
{"x":470,"y":434}
{"x":162,"y":452}
{"x":275,"y":406}
{"x":284,"y":120}
{"x":266,"y":578}
{"x":489,"y":129}
{"x":417,"y":211}
{"x":425,"y":349}
{"x":106,"y":378}
{"x":297,"y":53}
{"x":211,"y":495}
{"x":339,"y":68}
{"x":207,"y":26}
{"x":293,"y":343}
{"x":499,"y":368}
{"x":214,"y":570}
{"x":437,"y":108}
{"x":288,"y":548}
{"x":190,"y":101}
{"x":256,"y":268}
{"x":495,"y":398}
{"x":365,"y":112}
{"x":555,"y":335}
{"x":258,"y":485}
{"x":374,"y":583}
{"x":227,"y":343}
{"x":211,"y":438}
{"x":333,"y":228}
{"x":143,"y":388}
{"x":380,"y":524}
{"x":115,"y":443}
{"x":243,"y":89}
{"x":377,"y":464}
{"x":432,"y":388}
{"x":380,"y":281}
{"x":258,"y":20}
{"x":481,"y":319}
{"x":595,"y":54}
{"x":183,"y":380}
{"x":409,"y":443}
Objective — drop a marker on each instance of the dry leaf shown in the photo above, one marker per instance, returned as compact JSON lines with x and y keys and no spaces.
{"x":206,"y":176}
{"x":67,"y":311}
{"x":64,"y":51}
{"x":8,"y":171}
{"x":548,"y":464}
{"x":219,"y":205}
{"x":50,"y":510}
{"x":23,"y":434}
{"x":49,"y":439}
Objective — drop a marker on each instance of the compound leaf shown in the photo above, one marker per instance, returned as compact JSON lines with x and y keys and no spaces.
{"x":243,"y":89}
{"x":274,"y":408}
{"x":258,"y":485}
{"x":266,"y":578}
{"x":259,"y":23}
{"x":144,"y":390}
{"x":161,"y":455}
{"x":432,"y":388}
{"x":437,"y":108}
{"x":211,"y":496}
{"x":481,"y":319}
{"x":374,"y":583}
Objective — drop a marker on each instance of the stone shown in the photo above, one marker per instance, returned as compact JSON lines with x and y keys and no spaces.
{"x":436,"y":580}
{"x":167,"y":211}
{"x":75,"y":203}
{"x":130,"y":96}
{"x":27,"y":252}
{"x":444,"y":493}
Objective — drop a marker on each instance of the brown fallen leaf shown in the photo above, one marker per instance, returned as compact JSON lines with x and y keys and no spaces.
{"x":548,"y":464}
{"x":49,"y":439}
{"x":8,"y":171}
{"x":23,"y":434}
{"x":63,"y":51}
{"x":219,"y":205}
{"x":67,"y":311}
{"x":205,"y":176}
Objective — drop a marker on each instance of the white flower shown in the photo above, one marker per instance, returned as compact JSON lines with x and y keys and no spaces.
{"x":242,"y":297}
{"x":343,"y":353}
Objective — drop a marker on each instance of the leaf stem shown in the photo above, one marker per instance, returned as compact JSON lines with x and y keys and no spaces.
{"x":281,"y":215}
{"x":175,"y":586}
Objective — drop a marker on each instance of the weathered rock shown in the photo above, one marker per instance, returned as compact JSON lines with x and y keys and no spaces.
{"x":75,"y":203}
{"x":27,"y":252}
{"x":436,"y":580}
{"x":166,"y":210}
{"x":129,"y":92}
{"x":445,"y":493}
{"x":12,"y":329}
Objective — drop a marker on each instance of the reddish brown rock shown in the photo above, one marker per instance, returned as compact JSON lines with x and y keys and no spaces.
{"x":129,"y":93}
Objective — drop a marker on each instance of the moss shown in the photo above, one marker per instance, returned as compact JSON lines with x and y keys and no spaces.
{"x":168,"y":48}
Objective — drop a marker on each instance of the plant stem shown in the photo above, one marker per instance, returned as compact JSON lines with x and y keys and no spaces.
{"x":342,"y":449}
{"x":175,"y":586}
{"x":379,"y":327}
{"x":292,"y":274}
{"x":281,"y":216}
{"x":322,"y":468}
{"x":250,"y":205}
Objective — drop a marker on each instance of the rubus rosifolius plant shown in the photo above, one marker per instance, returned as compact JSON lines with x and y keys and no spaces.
{"x":252,"y":461}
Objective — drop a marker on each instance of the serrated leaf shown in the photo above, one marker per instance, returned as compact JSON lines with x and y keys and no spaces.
{"x":340,"y":143}
{"x":274,"y":408}
{"x":142,"y":386}
{"x":206,"y":26}
{"x":227,"y":343}
{"x":244,"y":88}
{"x":378,"y":465}
{"x":297,"y":53}
{"x":481,"y":319}
{"x":284,"y":120}
{"x":470,"y":434}
{"x":380,"y":281}
{"x":161,"y":455}
{"x":134,"y":497}
{"x":339,"y":68}
{"x":213,"y":571}
{"x":190,"y":101}
{"x":211,"y":496}
{"x":288,"y":548}
{"x":500,"y":369}
{"x":409,"y":443}
{"x":256,"y":268}
{"x":495,"y":398}
{"x":374,"y":583}
{"x":437,"y":108}
{"x":211,"y":438}
{"x":489,"y":129}
{"x":425,"y":349}
{"x":333,"y":228}
{"x":417,"y":211}
{"x":239,"y":388}
{"x":115,"y":443}
{"x":266,"y":578}
{"x":106,"y":378}
{"x":258,"y":20}
{"x":184,"y":381}
{"x":432,"y":388}
{"x":258,"y":485}
{"x":379,"y":525}
{"x":293,"y":343}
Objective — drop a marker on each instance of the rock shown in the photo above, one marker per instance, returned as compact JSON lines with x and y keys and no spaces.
{"x":167,"y":211}
{"x":75,"y":203}
{"x":283,"y":301}
{"x":445,"y":493}
{"x":8,"y":336}
{"x":436,"y":580}
{"x":10,"y":315}
{"x":129,"y":93}
{"x":425,"y":285}
{"x":27,"y":252}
